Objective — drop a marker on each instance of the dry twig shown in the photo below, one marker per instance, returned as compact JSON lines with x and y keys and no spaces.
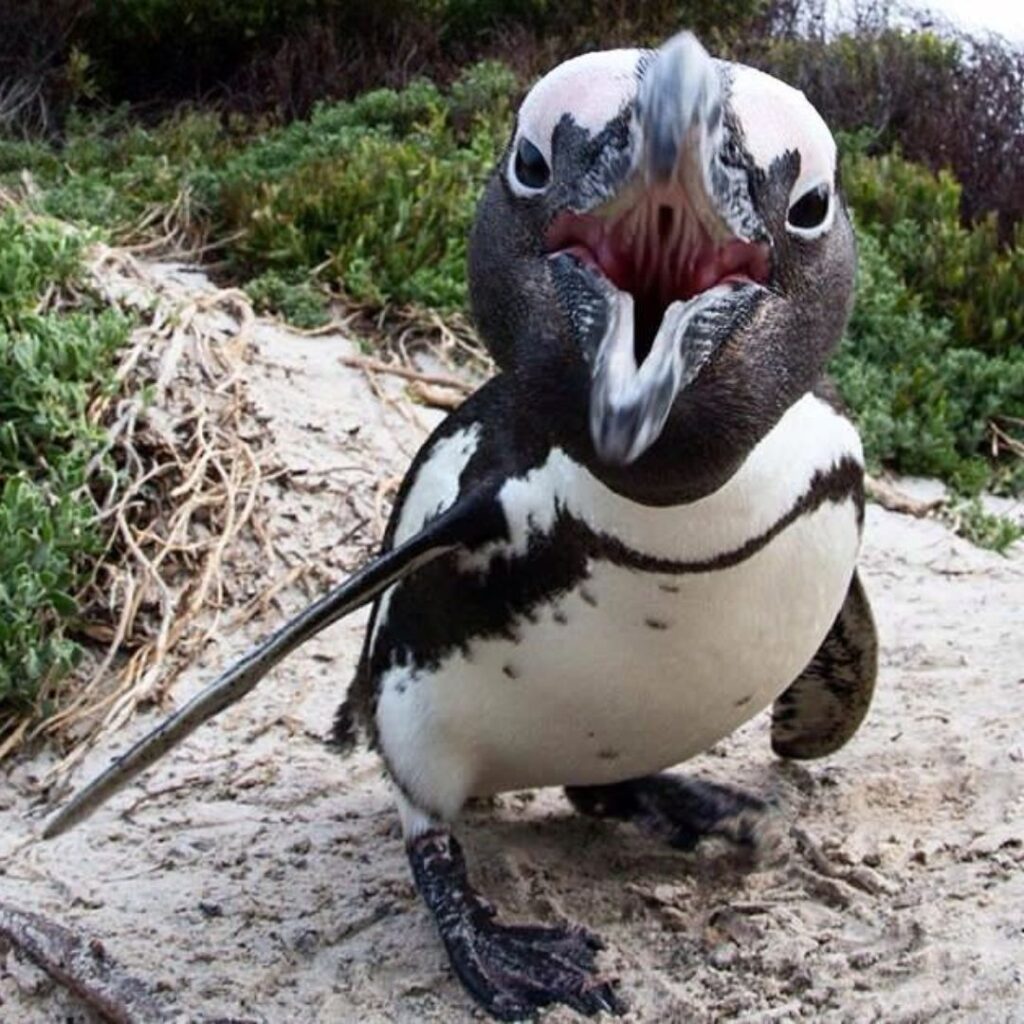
{"x":436,"y":397}
{"x":1003,"y":440}
{"x":83,"y":967}
{"x":407,"y":373}
{"x":884,"y":494}
{"x":185,"y":487}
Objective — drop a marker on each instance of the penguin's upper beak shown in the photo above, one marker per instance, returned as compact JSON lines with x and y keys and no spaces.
{"x":671,"y":246}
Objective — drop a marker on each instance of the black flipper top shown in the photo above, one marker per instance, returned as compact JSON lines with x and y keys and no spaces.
{"x":466,"y":523}
{"x":824,"y":706}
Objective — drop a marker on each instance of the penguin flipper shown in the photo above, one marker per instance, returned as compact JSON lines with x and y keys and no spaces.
{"x":823,"y":708}
{"x":470,"y":521}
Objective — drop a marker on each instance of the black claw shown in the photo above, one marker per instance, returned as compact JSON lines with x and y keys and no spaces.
{"x":602,"y":999}
{"x":511,"y":970}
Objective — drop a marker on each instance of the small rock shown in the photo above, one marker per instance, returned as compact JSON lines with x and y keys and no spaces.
{"x":306,"y":941}
{"x":29,"y":978}
{"x":723,"y":956}
{"x":863,"y":959}
{"x":725,"y":923}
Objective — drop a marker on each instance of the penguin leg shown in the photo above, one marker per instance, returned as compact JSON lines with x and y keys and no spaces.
{"x":512,"y":971}
{"x":680,"y":810}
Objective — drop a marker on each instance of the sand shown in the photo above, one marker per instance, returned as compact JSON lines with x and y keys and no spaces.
{"x":256,"y":875}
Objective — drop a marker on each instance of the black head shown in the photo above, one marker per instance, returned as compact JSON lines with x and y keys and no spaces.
{"x":662,"y":262}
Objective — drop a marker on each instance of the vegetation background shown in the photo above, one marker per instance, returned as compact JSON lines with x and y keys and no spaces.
{"x":320,"y":152}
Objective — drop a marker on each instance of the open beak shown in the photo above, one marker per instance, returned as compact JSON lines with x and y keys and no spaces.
{"x":672,"y":247}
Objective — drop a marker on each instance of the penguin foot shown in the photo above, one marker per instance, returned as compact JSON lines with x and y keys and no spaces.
{"x":682,"y":811}
{"x":512,"y":971}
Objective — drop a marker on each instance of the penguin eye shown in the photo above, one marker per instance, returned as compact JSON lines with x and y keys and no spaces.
{"x":810,"y":211}
{"x":530,"y":168}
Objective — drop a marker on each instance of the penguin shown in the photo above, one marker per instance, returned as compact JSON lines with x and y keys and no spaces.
{"x":641,"y":532}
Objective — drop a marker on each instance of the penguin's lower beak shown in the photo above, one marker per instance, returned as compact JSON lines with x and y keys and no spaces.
{"x":672,"y":248}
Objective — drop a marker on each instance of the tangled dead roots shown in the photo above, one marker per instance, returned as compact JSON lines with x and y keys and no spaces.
{"x":187,"y":470}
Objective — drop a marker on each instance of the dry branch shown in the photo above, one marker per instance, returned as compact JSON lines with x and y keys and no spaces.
{"x":187,"y":472}
{"x":404,"y":330}
{"x":1002,"y":440}
{"x":436,"y":397}
{"x":407,"y":373}
{"x":884,"y":494}
{"x":81,"y":966}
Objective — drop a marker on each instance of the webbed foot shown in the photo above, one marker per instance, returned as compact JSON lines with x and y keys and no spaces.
{"x":511,"y":970}
{"x":682,"y":811}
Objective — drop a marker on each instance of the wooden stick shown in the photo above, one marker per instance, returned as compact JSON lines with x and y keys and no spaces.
{"x":435,"y":396}
{"x":82,"y":967}
{"x":1001,"y":438}
{"x":376,"y":366}
{"x":890,"y":498}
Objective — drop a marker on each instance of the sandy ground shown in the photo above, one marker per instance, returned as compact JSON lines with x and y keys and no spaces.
{"x":257,"y":876}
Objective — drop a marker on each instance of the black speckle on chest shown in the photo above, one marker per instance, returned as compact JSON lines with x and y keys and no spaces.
{"x":442,"y":609}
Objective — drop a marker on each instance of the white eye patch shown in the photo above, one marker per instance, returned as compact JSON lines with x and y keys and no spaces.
{"x":777,"y":118}
{"x":595,"y":87}
{"x":592,"y":89}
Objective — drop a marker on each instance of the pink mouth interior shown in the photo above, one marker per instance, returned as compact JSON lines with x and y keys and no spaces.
{"x":659,"y":253}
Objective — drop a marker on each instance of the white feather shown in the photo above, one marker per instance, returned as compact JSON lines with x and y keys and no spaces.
{"x":433,"y":491}
{"x":777,"y":118}
{"x":631,"y":671}
{"x":437,"y":482}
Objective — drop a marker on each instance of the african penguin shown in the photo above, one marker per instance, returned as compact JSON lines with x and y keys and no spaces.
{"x":642,"y":531}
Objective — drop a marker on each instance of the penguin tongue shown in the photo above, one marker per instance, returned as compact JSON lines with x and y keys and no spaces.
{"x":628,"y":403}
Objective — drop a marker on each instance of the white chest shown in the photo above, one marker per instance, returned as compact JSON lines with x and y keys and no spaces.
{"x":632,"y":671}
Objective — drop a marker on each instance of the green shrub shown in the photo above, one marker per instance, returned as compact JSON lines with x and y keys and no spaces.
{"x":21,"y":155}
{"x":291,"y":297}
{"x":923,"y":398}
{"x":45,"y":535}
{"x":52,"y":364}
{"x":112,"y":171}
{"x":374,"y":197}
{"x":985,"y":529}
{"x":377,"y":194}
{"x":962,"y":274}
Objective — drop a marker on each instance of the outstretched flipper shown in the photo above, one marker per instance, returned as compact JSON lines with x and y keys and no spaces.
{"x":824,"y":707}
{"x":473,"y":520}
